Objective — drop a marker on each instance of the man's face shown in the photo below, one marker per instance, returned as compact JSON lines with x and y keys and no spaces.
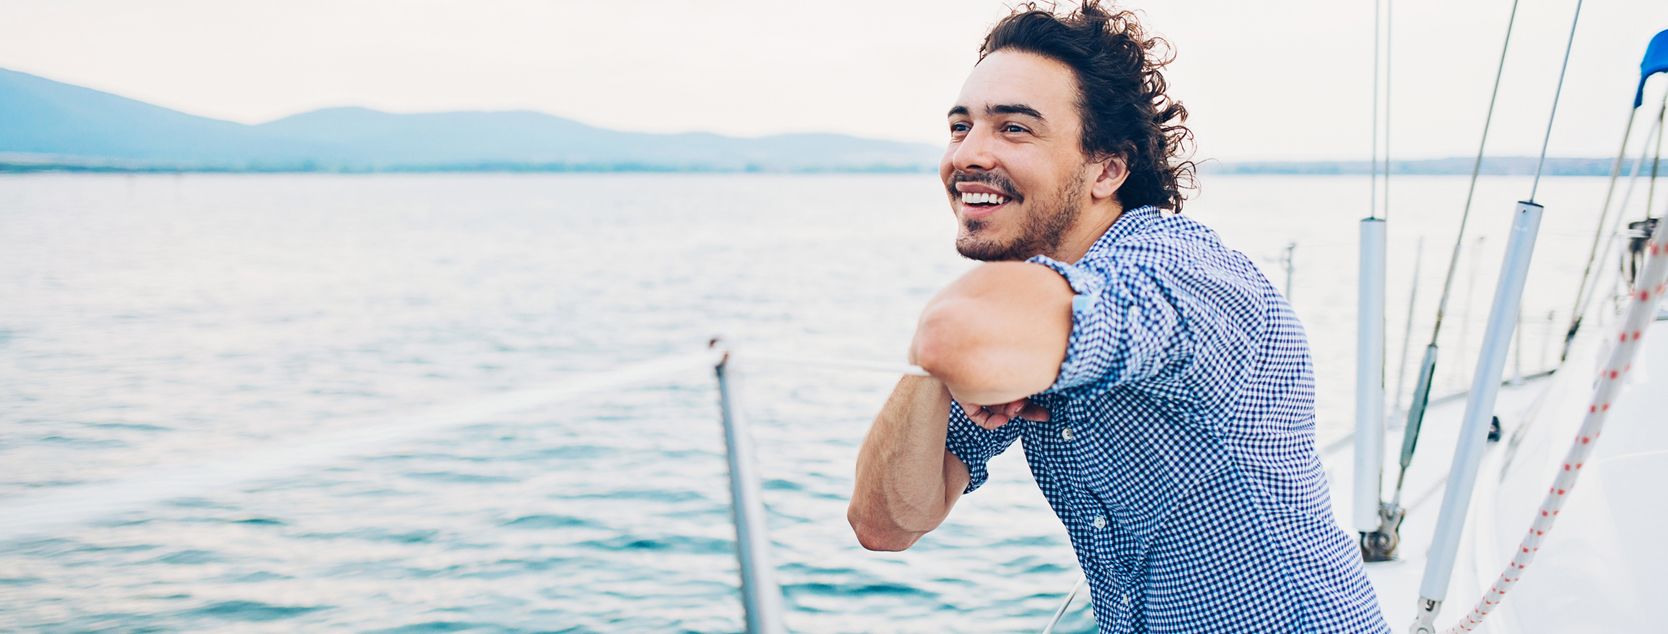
{"x":1014,"y":169}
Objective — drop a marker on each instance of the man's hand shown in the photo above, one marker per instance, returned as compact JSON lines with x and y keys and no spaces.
{"x":993,"y":416}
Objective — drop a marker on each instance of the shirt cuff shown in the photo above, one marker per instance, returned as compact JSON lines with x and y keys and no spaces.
{"x":970,"y":443}
{"x":1088,"y":286}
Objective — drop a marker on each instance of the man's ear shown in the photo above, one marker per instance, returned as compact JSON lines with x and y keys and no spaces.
{"x":1109,"y":176}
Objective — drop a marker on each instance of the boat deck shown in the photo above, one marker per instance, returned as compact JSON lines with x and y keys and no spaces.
{"x":1601,"y":551}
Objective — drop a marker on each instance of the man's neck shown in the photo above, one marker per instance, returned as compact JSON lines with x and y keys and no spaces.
{"x":1093,"y":224}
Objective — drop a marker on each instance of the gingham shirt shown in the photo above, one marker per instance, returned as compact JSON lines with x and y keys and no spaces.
{"x":1181,"y":451}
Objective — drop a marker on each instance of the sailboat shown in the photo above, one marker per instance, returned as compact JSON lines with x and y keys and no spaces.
{"x":1504,"y":519}
{"x":1449,"y":543}
{"x":1499,"y":539}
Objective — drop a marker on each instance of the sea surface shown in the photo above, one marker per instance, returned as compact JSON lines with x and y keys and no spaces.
{"x":153,"y":324}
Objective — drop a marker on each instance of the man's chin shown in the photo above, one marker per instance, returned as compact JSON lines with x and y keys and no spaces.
{"x":974,"y":248}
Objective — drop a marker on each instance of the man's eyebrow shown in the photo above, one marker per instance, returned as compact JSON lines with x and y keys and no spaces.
{"x":999,"y":109}
{"x":1014,"y":108}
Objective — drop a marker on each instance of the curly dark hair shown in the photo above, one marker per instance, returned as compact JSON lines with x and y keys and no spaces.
{"x":1121,"y":92}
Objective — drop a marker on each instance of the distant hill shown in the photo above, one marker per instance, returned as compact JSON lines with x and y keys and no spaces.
{"x":46,"y":124}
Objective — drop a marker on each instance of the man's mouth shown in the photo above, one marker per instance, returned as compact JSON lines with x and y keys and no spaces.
{"x":981,"y":194}
{"x":980,"y":204}
{"x":982,"y":199}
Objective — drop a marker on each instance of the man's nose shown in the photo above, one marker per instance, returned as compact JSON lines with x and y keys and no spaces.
{"x":974,"y":152}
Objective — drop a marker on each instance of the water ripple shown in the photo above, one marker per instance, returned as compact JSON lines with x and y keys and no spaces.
{"x":548,"y":522}
{"x":188,"y":557}
{"x":251,"y":611}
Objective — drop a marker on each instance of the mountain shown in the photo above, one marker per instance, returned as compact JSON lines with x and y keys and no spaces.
{"x":50,"y":124}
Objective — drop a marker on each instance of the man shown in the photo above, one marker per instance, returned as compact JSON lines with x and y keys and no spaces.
{"x":1161,"y":386}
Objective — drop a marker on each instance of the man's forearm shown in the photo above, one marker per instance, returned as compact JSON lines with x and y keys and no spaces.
{"x":997,"y":334}
{"x":905,"y":482}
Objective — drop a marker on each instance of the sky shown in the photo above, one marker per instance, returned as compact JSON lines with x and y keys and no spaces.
{"x":1272,"y":80}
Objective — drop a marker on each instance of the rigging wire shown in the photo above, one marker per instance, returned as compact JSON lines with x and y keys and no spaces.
{"x":1389,"y":47}
{"x":1476,"y":170}
{"x":1372,"y":201}
{"x":1650,"y":190}
{"x":1427,"y":371}
{"x":1407,"y":328}
{"x":1616,"y":222}
{"x":1598,"y":230}
{"x":1563,"y":70}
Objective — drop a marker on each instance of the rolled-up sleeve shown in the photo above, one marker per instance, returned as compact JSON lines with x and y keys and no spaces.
{"x":975,"y":445}
{"x":1125,"y":325}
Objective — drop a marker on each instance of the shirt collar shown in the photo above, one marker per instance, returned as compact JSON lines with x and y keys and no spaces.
{"x":1129,"y":223}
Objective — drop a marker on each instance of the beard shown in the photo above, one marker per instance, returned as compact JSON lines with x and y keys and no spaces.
{"x":1042,"y":228}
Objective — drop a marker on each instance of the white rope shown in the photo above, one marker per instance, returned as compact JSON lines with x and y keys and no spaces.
{"x":71,"y":505}
{"x":1647,"y":294}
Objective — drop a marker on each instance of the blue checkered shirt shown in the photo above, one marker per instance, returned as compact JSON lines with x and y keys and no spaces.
{"x":1181,"y":451}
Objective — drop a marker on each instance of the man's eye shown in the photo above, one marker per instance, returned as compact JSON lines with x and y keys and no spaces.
{"x":959,"y":127}
{"x":1014,"y":128}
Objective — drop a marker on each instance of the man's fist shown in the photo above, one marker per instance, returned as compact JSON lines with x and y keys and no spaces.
{"x":993,"y":416}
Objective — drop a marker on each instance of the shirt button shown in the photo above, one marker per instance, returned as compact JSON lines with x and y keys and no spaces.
{"x":1126,"y":601}
{"x":1100,"y":521}
{"x":1066,"y":433}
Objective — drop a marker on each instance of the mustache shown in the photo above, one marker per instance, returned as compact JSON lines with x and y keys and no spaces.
{"x":989,"y":179}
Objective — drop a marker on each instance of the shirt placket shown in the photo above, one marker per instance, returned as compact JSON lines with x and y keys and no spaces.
{"x":1085,"y":510}
{"x":1092,"y":517}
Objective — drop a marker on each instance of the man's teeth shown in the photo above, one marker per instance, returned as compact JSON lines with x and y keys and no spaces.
{"x":981,"y":198}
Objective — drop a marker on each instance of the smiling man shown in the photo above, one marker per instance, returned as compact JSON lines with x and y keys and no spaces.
{"x":1160,"y":385}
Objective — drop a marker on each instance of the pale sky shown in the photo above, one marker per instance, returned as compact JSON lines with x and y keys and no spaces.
{"x":1278,"y":79}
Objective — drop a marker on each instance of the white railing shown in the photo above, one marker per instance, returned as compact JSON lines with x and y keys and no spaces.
{"x":58,"y":507}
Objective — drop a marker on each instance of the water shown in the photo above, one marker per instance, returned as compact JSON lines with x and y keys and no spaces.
{"x":153,"y":321}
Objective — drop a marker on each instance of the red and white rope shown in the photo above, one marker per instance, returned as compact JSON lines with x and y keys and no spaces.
{"x":1647,"y":293}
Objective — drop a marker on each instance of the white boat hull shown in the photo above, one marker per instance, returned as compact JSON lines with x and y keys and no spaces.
{"x":1597,"y":569}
